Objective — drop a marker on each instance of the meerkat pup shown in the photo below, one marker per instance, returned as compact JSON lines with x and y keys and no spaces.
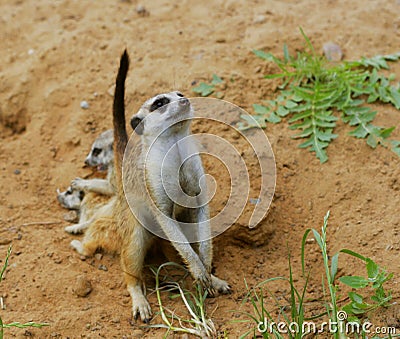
{"x":144,"y":174}
{"x":101,"y":156}
{"x":70,"y":199}
{"x":89,"y":197}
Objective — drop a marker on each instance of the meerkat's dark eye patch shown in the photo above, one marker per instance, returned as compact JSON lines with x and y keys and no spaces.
{"x":96,"y":151}
{"x":179,"y":94}
{"x":160,"y":102}
{"x":137,"y":126}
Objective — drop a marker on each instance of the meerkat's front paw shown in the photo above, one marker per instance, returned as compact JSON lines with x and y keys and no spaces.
{"x":219,"y":285}
{"x":74,"y":229}
{"x":79,"y":184}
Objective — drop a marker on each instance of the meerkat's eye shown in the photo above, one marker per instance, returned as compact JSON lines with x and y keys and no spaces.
{"x":96,"y":151}
{"x":160,"y":102}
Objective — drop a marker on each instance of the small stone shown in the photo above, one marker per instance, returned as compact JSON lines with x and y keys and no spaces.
{"x":137,"y":334}
{"x":31,"y":51}
{"x":103,"y":268}
{"x":98,"y":256}
{"x":111,"y":90}
{"x":116,"y":320}
{"x":82,"y":287}
{"x":259,"y":19}
{"x":84,"y":104}
{"x":58,"y":261}
{"x":220,"y":40}
{"x":332,"y":51}
{"x":17,"y":171}
{"x":5,"y":241}
{"x":71,"y":216}
{"x":142,"y":11}
{"x":254,"y":201}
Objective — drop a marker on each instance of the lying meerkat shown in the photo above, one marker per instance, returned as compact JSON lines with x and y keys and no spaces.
{"x":92,"y":206}
{"x":149,"y":122}
{"x":101,"y":156}
{"x":89,"y":197}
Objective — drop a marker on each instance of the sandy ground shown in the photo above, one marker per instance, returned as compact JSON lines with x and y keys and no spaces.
{"x":57,"y":53}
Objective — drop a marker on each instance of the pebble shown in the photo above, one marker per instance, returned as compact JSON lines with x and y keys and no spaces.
{"x":103,"y":268}
{"x":116,"y":320}
{"x":17,"y":171}
{"x":142,"y":11}
{"x":255,"y":201}
{"x":82,"y":287}
{"x":111,"y":90}
{"x":98,"y":256}
{"x":137,"y":334}
{"x":332,"y":51}
{"x":260,"y":19}
{"x":31,"y":51}
{"x":84,"y":104}
{"x":71,"y":216}
{"x":5,"y":241}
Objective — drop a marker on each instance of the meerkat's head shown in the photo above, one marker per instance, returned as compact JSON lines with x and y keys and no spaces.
{"x":101,"y":153}
{"x":71,"y":198}
{"x":165,"y":113}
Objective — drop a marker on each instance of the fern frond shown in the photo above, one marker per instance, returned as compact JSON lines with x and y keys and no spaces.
{"x":314,"y":90}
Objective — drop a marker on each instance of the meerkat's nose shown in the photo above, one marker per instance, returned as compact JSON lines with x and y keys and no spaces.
{"x":183,"y":101}
{"x":87,"y":162}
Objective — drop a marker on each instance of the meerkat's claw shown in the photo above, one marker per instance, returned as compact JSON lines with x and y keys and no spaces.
{"x":75,"y":229}
{"x":143,"y":309}
{"x":78,"y":183}
{"x":221,"y":286}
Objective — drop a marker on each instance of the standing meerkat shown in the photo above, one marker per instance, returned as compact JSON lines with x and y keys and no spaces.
{"x":144,"y":174}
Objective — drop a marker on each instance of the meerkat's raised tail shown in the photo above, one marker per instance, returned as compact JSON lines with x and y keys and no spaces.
{"x":120,"y":135}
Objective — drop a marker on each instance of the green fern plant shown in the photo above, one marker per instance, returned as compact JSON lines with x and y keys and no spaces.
{"x":315,"y":92}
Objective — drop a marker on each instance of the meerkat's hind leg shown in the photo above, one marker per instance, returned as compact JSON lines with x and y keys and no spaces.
{"x":77,"y":245}
{"x":132,"y":259}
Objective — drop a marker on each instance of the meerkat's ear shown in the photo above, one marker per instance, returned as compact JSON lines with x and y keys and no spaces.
{"x":137,"y":125}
